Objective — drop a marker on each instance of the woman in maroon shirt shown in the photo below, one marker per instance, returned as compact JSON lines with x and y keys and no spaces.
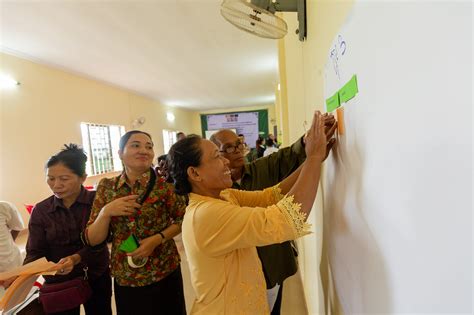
{"x":56,"y":224}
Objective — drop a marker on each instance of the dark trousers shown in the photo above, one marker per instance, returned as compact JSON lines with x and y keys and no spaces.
{"x":277,"y":306}
{"x":163,"y":297}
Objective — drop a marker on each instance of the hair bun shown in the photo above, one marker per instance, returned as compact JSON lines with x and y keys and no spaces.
{"x":71,"y":146}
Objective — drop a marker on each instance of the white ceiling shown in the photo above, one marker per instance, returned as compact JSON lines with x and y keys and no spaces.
{"x":179,"y":52}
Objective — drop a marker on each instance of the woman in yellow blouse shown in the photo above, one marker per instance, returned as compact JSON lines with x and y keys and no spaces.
{"x":222,"y":226}
{"x":141,"y":214}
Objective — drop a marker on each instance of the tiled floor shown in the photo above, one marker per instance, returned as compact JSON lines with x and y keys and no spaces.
{"x":293,"y":296}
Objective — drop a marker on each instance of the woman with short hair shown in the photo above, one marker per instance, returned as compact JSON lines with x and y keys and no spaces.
{"x":55,"y":227}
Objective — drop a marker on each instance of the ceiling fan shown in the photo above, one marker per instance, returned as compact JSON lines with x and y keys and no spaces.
{"x":258,"y":16}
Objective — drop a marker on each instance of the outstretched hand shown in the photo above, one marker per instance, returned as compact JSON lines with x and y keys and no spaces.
{"x":330,"y":126}
{"x":316,"y":138}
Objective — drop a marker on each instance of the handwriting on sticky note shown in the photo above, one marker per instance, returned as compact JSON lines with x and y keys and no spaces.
{"x":333,"y":102}
{"x":349,"y":90}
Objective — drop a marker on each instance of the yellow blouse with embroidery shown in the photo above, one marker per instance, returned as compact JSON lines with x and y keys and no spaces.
{"x":220,"y":235}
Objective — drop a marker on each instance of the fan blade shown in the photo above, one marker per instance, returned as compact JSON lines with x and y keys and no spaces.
{"x":252,"y":19}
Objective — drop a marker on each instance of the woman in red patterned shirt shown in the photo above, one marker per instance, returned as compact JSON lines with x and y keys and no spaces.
{"x":140,"y":209}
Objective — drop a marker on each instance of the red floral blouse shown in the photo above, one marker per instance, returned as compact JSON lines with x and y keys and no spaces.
{"x":161,"y":209}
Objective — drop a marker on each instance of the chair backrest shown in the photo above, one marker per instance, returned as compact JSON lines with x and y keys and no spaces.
{"x":29,"y":208}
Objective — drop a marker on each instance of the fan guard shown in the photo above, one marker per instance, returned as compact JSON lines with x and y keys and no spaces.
{"x":252,"y":19}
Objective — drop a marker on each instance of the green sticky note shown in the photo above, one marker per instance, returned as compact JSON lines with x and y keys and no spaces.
{"x":349,"y":90}
{"x":333,"y":102}
{"x":129,"y":245}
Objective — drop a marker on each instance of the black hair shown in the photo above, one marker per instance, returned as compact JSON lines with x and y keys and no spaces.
{"x":162,"y":169}
{"x":241,"y":135}
{"x":162,"y":158}
{"x":269,"y":142}
{"x":183,"y":154}
{"x":72,"y":156}
{"x":124,"y":139}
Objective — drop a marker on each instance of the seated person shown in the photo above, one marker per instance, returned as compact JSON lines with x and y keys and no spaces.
{"x":271,"y":148}
{"x":275,"y":141}
{"x":260,"y":148}
{"x":180,"y":136}
{"x":246,"y":149}
{"x":11,"y":224}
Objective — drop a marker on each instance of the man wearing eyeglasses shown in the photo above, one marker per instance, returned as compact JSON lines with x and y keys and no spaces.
{"x":278,"y":260}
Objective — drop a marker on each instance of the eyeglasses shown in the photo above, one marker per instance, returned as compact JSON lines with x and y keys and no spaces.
{"x":231,"y":148}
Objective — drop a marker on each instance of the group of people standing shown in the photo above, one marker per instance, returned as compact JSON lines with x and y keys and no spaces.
{"x":263,"y":147}
{"x":73,"y":226}
{"x":237,"y":240}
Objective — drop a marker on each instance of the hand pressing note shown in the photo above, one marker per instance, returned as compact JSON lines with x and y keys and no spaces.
{"x":316,"y":142}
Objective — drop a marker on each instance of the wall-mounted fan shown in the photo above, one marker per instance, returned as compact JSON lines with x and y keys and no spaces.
{"x":136,"y":123}
{"x":258,"y":16}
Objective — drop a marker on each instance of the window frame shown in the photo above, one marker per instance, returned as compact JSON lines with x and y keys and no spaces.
{"x":169,"y":141}
{"x":107,"y":142}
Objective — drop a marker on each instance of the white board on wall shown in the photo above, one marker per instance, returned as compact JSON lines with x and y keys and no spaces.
{"x":398,"y":187}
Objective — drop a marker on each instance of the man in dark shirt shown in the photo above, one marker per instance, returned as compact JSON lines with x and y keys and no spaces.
{"x":278,"y":260}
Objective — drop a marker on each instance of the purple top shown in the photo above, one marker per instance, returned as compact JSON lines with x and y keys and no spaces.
{"x":54,"y":233}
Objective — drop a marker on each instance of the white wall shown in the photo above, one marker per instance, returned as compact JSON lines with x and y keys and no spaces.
{"x":441,"y":53}
{"x":45,"y":111}
{"x":398,"y":191}
{"x":302,"y":83}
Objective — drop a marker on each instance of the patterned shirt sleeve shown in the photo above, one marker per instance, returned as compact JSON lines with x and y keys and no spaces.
{"x":176,"y":204}
{"x":99,"y":200}
{"x":293,"y":215}
{"x":291,"y":210}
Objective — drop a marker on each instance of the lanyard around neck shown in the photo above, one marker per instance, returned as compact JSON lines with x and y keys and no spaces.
{"x":141,"y":199}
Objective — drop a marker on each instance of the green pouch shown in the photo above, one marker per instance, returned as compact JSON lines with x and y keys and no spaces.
{"x":130,"y":244}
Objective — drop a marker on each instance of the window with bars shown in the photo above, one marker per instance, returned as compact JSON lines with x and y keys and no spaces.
{"x":169,"y":138}
{"x":101,"y":142}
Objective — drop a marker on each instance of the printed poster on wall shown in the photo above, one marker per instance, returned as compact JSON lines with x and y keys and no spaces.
{"x":243,"y":123}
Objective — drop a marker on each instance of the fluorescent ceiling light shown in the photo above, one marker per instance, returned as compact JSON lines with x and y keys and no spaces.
{"x":170,"y":116}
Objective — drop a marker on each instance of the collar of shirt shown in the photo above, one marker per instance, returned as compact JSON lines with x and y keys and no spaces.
{"x":142,"y":181}
{"x":82,"y":198}
{"x":193,"y":197}
{"x":245,"y":174}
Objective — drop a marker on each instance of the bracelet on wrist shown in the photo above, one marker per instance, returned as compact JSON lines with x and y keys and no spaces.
{"x":162,"y":237}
